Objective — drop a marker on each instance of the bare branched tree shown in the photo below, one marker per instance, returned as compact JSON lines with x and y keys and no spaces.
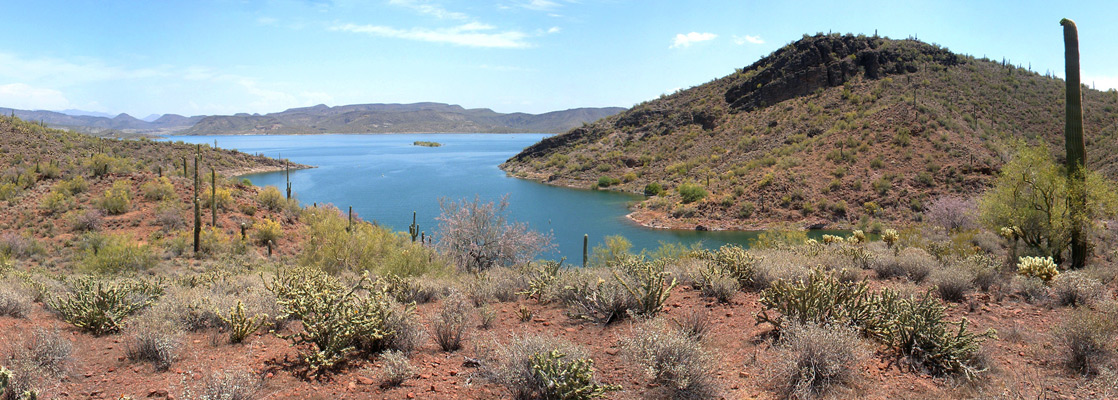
{"x":478,"y":236}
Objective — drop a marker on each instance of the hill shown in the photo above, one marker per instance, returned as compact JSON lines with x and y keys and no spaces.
{"x":396,"y":118}
{"x":122,"y":125}
{"x":831,"y":130}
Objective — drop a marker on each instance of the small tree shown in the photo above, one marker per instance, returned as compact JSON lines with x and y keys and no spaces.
{"x":1032,"y":194}
{"x":478,"y":236}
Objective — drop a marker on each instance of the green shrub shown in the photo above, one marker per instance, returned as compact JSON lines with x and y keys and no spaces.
{"x":366,"y":248}
{"x":615,"y":250}
{"x":606,"y":181}
{"x":222,"y":196}
{"x":746,"y":210}
{"x":99,"y":306}
{"x":101,"y":164}
{"x":55,"y":203}
{"x":573,"y":379}
{"x":72,"y":186}
{"x":691,"y":193}
{"x":267,"y":230}
{"x":158,"y":189}
{"x":653,"y":189}
{"x":114,"y":254}
{"x":270,"y":198}
{"x":118,"y":199}
{"x":732,"y":261}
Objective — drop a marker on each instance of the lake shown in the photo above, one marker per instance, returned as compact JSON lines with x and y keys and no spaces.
{"x":386,"y":177}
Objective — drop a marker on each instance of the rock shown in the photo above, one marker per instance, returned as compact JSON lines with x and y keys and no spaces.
{"x":612,"y":352}
{"x":701,"y":228}
{"x":411,"y":395}
{"x":366,"y":380}
{"x":158,"y":393}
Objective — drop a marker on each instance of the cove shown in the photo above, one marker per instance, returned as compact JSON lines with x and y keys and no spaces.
{"x":385,"y":177}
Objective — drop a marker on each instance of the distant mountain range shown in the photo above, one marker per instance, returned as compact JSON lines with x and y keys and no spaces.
{"x":358,"y":118}
{"x":397,"y":118}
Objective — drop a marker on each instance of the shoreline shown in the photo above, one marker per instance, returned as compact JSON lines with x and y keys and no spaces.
{"x":241,"y":172}
{"x":661,"y":221}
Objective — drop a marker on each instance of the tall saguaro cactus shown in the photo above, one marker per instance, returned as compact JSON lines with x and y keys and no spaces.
{"x":197,"y":211}
{"x":1073,"y":143}
{"x":213,"y":195}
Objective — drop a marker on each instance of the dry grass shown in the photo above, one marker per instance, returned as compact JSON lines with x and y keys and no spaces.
{"x":814,"y":360}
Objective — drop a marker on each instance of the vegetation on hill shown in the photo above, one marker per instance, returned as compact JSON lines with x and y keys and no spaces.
{"x":831,"y":130}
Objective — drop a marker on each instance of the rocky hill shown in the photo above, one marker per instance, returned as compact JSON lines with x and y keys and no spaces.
{"x":831,"y":130}
{"x":396,"y":118}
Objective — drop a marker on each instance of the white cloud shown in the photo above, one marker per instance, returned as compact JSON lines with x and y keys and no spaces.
{"x":685,"y":40}
{"x":540,"y":5}
{"x":1099,"y":82}
{"x":474,"y":34}
{"x":27,"y":97}
{"x":748,"y":39}
{"x":425,"y":7}
{"x":62,"y":72}
{"x":554,"y":29}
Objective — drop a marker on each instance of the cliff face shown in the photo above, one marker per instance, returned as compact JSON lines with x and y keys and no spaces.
{"x":831,"y":130}
{"x":828,"y":61}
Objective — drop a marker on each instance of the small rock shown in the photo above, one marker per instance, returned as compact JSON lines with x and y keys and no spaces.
{"x":158,"y":393}
{"x":453,"y":372}
{"x":411,"y":395}
{"x":612,"y":352}
{"x":743,"y":374}
{"x":365,"y":380}
{"x":424,"y":376}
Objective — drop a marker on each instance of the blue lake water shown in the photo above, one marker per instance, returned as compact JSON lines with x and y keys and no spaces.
{"x":386,"y":177}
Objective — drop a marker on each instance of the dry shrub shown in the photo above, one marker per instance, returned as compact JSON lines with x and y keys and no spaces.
{"x":1086,"y":340}
{"x":721,"y":287}
{"x":227,"y":385}
{"x":1075,"y":289}
{"x":153,"y":340}
{"x":13,"y":301}
{"x":913,"y":263}
{"x":497,"y":284}
{"x":1031,"y":289}
{"x":952,"y":284}
{"x":776,"y":265}
{"x":673,"y":359}
{"x":451,"y":322}
{"x":695,"y":324}
{"x":812,"y":360}
{"x":409,"y":331}
{"x":86,"y":221}
{"x":46,"y":351}
{"x":395,"y":368}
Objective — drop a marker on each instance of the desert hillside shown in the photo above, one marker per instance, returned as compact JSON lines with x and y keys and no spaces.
{"x":828,"y":131}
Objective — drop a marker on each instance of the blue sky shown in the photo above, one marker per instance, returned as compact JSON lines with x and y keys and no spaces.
{"x":225,"y":56}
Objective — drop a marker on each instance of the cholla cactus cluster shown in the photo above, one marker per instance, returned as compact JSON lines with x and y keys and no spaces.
{"x":647,"y":282}
{"x":857,"y":237}
{"x":337,"y":321}
{"x":1010,"y":232}
{"x":99,"y":306}
{"x":890,"y":237}
{"x":1038,"y":267}
{"x":563,"y":379}
{"x":830,"y":239}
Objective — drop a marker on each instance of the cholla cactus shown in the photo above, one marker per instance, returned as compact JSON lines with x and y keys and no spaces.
{"x":5,"y":377}
{"x":1010,"y":232}
{"x":857,"y":237}
{"x":829,"y":239}
{"x":567,"y":379}
{"x":240,"y":325}
{"x":890,"y":237}
{"x":1039,"y":267}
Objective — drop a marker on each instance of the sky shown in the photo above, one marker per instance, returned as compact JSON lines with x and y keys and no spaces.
{"x":226,"y":56}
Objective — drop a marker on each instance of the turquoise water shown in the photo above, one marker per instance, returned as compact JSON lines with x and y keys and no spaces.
{"x":386,"y":177}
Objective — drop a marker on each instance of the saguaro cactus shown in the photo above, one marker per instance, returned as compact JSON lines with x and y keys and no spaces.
{"x":585,"y":241}
{"x":287,"y":176}
{"x":413,"y":229}
{"x":213,"y":197}
{"x":1073,"y":143}
{"x":197,"y":211}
